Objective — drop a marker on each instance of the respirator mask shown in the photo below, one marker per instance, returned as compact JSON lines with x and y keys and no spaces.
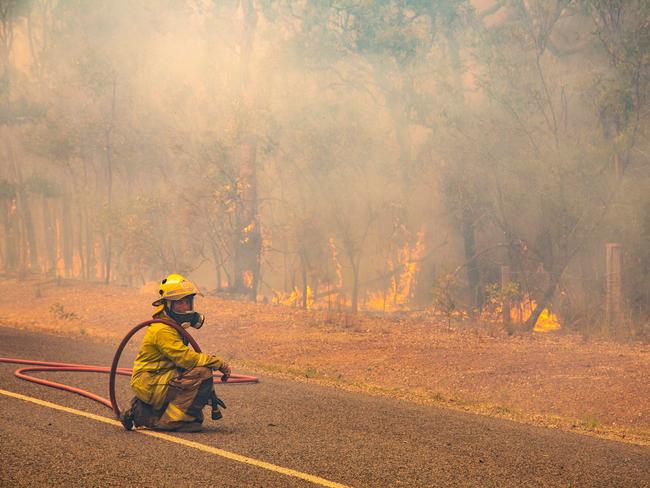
{"x":185,"y":319}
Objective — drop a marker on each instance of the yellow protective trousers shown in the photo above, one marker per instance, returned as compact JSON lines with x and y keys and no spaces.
{"x":187,"y":394}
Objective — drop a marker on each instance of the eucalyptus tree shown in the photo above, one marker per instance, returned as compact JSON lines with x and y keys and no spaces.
{"x":621,"y":94}
{"x":553,"y":188}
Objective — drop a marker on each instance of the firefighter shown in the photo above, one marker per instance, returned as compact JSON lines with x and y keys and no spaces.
{"x":172,"y":383}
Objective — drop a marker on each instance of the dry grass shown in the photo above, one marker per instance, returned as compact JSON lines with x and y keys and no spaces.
{"x":560,"y":381}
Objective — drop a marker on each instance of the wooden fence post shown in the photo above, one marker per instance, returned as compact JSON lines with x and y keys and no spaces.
{"x":505,"y":301}
{"x":614,"y":282}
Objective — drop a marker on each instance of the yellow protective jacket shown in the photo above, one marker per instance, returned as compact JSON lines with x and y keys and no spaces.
{"x":162,"y":352}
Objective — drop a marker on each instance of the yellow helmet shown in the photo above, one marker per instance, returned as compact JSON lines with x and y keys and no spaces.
{"x":175,"y":287}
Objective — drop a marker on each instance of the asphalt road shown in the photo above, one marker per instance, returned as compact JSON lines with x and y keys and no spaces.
{"x":343,"y":437}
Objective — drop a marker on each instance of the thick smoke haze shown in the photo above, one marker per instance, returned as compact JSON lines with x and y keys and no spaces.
{"x":384,"y":156}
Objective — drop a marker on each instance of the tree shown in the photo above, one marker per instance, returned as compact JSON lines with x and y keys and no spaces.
{"x":564,"y":176}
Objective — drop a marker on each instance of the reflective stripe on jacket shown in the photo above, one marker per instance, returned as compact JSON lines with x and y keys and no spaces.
{"x":161,"y":353}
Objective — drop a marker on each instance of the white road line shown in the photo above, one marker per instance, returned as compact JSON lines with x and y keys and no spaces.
{"x":177,"y":440}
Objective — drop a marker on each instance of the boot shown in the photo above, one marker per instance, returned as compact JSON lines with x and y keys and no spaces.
{"x":127,"y":420}
{"x":139,"y":415}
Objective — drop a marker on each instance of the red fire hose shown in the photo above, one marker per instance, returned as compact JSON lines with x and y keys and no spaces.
{"x":113,"y":370}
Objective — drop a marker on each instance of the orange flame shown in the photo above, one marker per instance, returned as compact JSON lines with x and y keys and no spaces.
{"x":248,"y":279}
{"x":293,"y":299}
{"x":337,"y":263}
{"x":401,"y":286}
{"x":521,"y":311}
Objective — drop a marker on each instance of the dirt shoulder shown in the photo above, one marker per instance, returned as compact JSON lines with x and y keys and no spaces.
{"x":557,"y":381}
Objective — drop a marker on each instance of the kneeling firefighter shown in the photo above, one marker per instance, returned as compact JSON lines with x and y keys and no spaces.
{"x":172,"y":383}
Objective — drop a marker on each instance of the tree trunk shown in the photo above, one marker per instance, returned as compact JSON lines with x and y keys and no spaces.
{"x":355,"y":285}
{"x":67,"y":237}
{"x":305,"y":286}
{"x":29,"y":252}
{"x":91,"y":273}
{"x":49,"y":237}
{"x":468,"y":218}
{"x":3,"y":222}
{"x":83,"y":256}
{"x":10,"y":235}
{"x":469,"y":247}
{"x":545,"y":299}
{"x":218,"y":264}
{"x":108,"y":241}
{"x":398,"y":113}
{"x":108,"y":250}
{"x":30,"y":235}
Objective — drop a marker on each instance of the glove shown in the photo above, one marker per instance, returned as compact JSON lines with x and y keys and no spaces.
{"x":225,"y":371}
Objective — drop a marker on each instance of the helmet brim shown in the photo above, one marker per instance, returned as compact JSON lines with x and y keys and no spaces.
{"x":161,"y":301}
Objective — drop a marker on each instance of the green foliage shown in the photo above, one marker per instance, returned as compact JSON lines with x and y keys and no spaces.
{"x":496,"y":294}
{"x":390,"y":29}
{"x":624,"y":32}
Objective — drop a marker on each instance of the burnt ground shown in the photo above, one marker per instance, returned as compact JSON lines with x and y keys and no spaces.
{"x":350,"y":438}
{"x":554,"y":380}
